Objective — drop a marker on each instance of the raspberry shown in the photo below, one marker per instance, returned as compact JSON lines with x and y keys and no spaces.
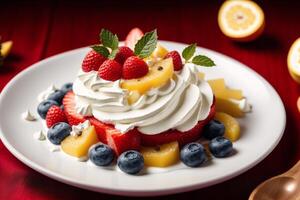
{"x":54,"y":115}
{"x":123,"y":54}
{"x":134,"y":67}
{"x":92,"y":61}
{"x":110,"y":70}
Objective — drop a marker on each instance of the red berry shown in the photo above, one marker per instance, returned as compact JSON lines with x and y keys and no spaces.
{"x":133,"y":36}
{"x":177,"y":62}
{"x":69,"y":107}
{"x":134,"y":67}
{"x":54,"y":115}
{"x":110,"y":70}
{"x":92,"y":61}
{"x":123,"y":54}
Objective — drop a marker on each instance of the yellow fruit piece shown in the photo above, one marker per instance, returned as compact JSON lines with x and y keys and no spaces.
{"x":78,"y":146}
{"x":232,"y":127}
{"x":221,"y":91}
{"x":293,"y":60}
{"x":133,"y":97}
{"x":158,"y":75}
{"x":241,"y":20}
{"x":6,"y":48}
{"x":227,"y":106}
{"x":159,"y":52}
{"x":161,"y":156}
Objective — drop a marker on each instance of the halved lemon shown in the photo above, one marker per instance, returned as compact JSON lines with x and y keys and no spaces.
{"x":293,"y":60}
{"x":241,"y":20}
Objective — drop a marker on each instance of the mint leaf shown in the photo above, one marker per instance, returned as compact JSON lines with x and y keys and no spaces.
{"x":108,"y":39}
{"x":101,"y":50}
{"x":146,"y":45}
{"x":203,"y":61}
{"x":113,"y":54}
{"x":189,"y":51}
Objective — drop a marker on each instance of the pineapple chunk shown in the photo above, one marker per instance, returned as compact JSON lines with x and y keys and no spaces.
{"x":157,"y":76}
{"x":220,"y":90}
{"x":133,"y":97}
{"x":232,"y":127}
{"x":161,"y":156}
{"x":227,"y":106}
{"x":159,"y":52}
{"x":78,"y":146}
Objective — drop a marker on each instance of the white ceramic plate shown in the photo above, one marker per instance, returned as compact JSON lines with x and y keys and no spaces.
{"x":261,"y":130}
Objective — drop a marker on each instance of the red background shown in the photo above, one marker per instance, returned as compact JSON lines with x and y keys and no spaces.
{"x":43,"y":28}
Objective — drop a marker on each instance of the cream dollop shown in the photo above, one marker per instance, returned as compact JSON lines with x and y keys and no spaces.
{"x":28,"y":116}
{"x":45,"y":94}
{"x":77,"y":129}
{"x":39,"y":135}
{"x":179,"y":104}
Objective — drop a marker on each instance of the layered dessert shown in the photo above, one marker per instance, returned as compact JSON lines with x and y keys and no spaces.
{"x":140,"y":104}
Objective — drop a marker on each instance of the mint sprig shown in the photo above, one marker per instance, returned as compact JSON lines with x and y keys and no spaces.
{"x":110,"y":44}
{"x":201,"y":60}
{"x":146,"y":45}
{"x":189,"y":51}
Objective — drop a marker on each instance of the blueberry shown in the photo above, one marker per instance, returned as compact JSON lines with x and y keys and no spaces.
{"x":193,"y":154}
{"x":67,"y":87}
{"x":44,"y":106}
{"x":57,"y":96}
{"x":131,"y":162}
{"x":101,"y":155}
{"x":213,"y":129}
{"x":58,"y":132}
{"x":220,"y":147}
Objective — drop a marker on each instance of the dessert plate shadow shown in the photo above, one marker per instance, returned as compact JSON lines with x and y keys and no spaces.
{"x":261,"y":130}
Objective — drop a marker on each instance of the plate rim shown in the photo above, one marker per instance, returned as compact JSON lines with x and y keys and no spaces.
{"x":134,"y":192}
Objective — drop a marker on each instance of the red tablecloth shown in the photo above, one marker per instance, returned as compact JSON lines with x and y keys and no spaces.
{"x":43,"y":28}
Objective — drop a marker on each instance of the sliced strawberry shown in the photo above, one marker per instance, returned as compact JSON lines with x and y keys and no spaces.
{"x":101,"y":129}
{"x":121,"y":142}
{"x":133,"y":36}
{"x":69,"y":108}
{"x":174,"y":135}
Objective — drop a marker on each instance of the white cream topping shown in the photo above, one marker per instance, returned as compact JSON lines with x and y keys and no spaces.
{"x":243,"y":105}
{"x":39,"y":135}
{"x":77,"y":129}
{"x":179,"y":104}
{"x":45,"y":94}
{"x":28,"y":116}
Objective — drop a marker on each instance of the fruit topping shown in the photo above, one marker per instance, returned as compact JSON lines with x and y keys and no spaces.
{"x":177,"y":62}
{"x":232,"y":127}
{"x":123,"y":53}
{"x":220,"y":147}
{"x":69,"y":108}
{"x":44,"y":106}
{"x":213,"y":129}
{"x":78,"y":145}
{"x":162,"y":155}
{"x":133,"y":36}
{"x":193,"y":154}
{"x":157,"y":76}
{"x":159,"y":52}
{"x":57,"y":96}
{"x":92,"y":61}
{"x":221,"y":91}
{"x":110,"y":70}
{"x":101,"y":155}
{"x":58,"y":132}
{"x":54,"y":115}
{"x":134,"y":68}
{"x":131,"y":162}
{"x":67,"y":87}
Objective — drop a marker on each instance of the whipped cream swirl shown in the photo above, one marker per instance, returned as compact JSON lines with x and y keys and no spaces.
{"x":179,"y":104}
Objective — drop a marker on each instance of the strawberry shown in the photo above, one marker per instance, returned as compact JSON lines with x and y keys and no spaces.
{"x":121,"y":142}
{"x":54,"y":115}
{"x":174,"y":135}
{"x":133,"y":36}
{"x":123,"y":53}
{"x":92,"y":61}
{"x":110,"y":70}
{"x":134,"y":67}
{"x":100,"y":129}
{"x":177,"y":62}
{"x":69,"y":108}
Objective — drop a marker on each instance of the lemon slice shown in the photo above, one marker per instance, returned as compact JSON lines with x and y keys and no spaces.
{"x":5,"y":48}
{"x":293,"y":60}
{"x":241,"y":20}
